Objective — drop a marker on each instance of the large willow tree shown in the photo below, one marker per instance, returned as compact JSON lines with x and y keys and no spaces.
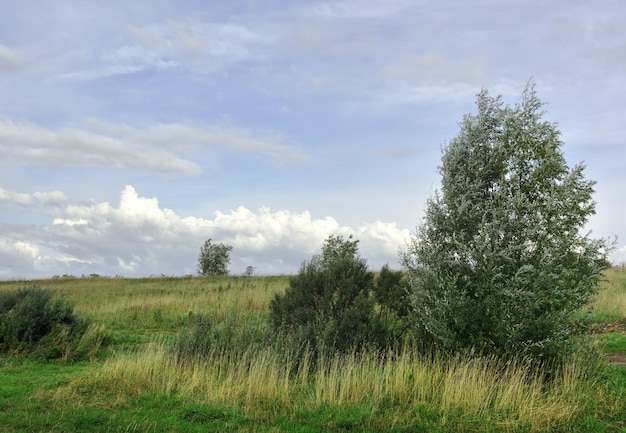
{"x":500,"y":263}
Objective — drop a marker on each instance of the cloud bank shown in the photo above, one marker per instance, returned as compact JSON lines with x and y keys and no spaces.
{"x":166,"y":148}
{"x":139,"y":238}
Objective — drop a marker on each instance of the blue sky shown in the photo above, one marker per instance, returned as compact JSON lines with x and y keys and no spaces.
{"x":130,"y":132}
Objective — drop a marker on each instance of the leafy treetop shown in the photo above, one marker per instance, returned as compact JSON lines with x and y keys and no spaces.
{"x":499,"y":263}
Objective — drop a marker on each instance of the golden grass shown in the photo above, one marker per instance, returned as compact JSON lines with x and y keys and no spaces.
{"x":164,"y":304}
{"x":610,"y":302}
{"x":461,"y":387}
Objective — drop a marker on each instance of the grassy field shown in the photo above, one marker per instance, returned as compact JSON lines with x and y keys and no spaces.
{"x":129,"y":381}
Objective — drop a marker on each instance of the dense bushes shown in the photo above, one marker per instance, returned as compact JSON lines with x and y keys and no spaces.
{"x":392,"y":296}
{"x":331,"y":304}
{"x":32,"y":320}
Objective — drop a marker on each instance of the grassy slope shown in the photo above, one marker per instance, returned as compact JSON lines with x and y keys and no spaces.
{"x":135,"y":387}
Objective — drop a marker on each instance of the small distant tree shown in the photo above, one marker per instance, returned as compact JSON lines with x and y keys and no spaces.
{"x":499,"y":264}
{"x":249,"y":272}
{"x":214,"y":258}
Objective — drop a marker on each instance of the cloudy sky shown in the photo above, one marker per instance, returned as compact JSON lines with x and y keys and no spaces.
{"x":131,"y":131}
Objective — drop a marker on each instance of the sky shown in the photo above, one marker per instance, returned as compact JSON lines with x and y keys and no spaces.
{"x":132,"y":131}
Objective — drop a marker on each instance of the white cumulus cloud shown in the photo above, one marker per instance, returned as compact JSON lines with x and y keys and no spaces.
{"x":51,"y":197}
{"x":139,"y":237}
{"x":48,"y":198}
{"x":14,"y":197}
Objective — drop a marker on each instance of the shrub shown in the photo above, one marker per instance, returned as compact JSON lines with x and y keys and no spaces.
{"x":195,"y":342}
{"x":32,"y":320}
{"x":328,"y":305}
{"x":391,"y":293}
{"x":232,"y":336}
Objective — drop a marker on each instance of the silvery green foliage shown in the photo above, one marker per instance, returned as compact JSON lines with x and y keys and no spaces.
{"x":499,"y":263}
{"x":214,"y":258}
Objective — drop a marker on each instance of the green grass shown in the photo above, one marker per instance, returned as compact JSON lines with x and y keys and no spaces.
{"x":132,"y":385}
{"x":613,"y":342}
{"x":609,"y":305}
{"x":136,"y":310}
{"x":23,"y":407}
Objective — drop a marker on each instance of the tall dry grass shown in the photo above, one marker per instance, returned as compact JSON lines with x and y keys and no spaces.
{"x":610,"y":302}
{"x":396,"y":386}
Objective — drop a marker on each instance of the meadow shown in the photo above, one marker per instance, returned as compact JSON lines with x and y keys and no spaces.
{"x":128,"y":380}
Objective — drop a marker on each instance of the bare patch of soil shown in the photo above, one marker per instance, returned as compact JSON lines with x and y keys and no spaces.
{"x":619,"y":326}
{"x":616,"y":359}
{"x":602,"y":328}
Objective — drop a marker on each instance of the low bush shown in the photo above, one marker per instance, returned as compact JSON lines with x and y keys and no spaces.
{"x":33,"y":321}
{"x":336,"y":305}
{"x":232,"y":335}
{"x":195,"y":342}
